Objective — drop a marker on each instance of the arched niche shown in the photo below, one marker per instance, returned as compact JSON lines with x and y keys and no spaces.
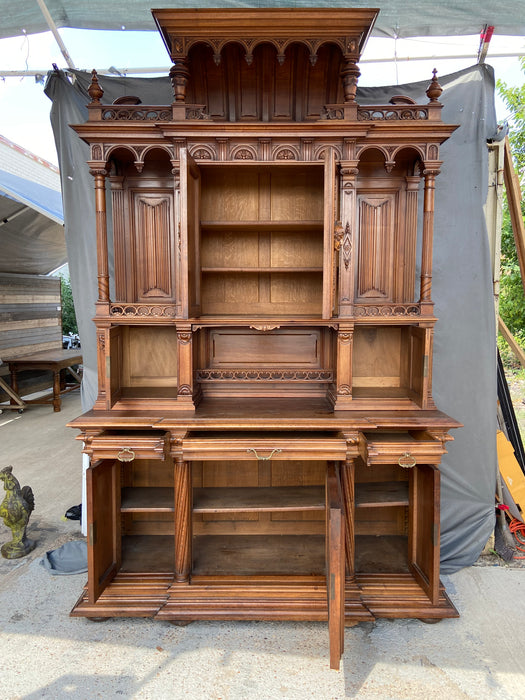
{"x":277,"y":83}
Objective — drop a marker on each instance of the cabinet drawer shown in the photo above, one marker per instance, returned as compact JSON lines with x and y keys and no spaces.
{"x":264,"y":447}
{"x":127,"y":447}
{"x":406,"y":448}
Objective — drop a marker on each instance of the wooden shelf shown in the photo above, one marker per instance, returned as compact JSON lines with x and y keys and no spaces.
{"x":147,"y":499}
{"x":258,"y":500}
{"x":381,"y":494}
{"x":253,"y":555}
{"x":289,"y":226}
{"x":286,"y":270}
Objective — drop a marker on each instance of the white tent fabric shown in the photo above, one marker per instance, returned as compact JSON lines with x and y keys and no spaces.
{"x":464,"y":364}
{"x":31,"y":219}
{"x":398,"y":18}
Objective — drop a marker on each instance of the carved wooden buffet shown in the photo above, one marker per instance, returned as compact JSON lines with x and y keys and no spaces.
{"x":264,"y":444}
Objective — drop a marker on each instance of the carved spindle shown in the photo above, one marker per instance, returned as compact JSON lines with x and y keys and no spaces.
{"x":179,"y":76}
{"x":349,"y":75}
{"x":94,"y":90}
{"x":434,"y":89}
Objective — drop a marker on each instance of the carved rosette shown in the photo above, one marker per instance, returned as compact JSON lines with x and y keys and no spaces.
{"x":391,"y":113}
{"x":244,"y":153}
{"x":203,"y":153}
{"x":286,"y":154}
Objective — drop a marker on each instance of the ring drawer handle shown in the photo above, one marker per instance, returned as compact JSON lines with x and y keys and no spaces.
{"x":126,"y":455}
{"x":264,"y":459}
{"x":407,"y":460}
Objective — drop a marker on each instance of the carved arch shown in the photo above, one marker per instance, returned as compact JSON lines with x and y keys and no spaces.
{"x":360,"y":150}
{"x":249,"y":44}
{"x":157,"y":147}
{"x":413,"y":147}
{"x":109,"y":150}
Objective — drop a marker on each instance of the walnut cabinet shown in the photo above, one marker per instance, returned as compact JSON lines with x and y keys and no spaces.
{"x":264,"y":444}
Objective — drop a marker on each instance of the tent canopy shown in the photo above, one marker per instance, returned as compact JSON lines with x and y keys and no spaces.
{"x":398,"y":18}
{"x":31,"y":218}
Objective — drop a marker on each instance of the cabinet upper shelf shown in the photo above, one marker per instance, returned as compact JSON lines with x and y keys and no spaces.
{"x":266,"y":225}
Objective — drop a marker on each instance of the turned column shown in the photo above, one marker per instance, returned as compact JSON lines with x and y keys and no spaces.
{"x":347,"y":487}
{"x":428,"y":234}
{"x":179,"y":76}
{"x":349,"y":76}
{"x":182,"y":484}
{"x":99,"y":173}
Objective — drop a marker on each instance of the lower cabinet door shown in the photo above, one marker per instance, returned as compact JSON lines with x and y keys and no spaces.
{"x":103,"y":520}
{"x":424,"y":533}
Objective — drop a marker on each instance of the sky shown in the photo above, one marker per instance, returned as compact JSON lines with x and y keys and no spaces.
{"x":24,"y":108}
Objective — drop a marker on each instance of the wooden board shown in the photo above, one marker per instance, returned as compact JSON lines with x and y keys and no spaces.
{"x":255,"y":555}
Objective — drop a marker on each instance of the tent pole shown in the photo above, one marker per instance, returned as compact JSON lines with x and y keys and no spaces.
{"x":54,"y":30}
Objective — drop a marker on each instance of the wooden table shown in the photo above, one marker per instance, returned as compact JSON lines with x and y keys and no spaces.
{"x":59,"y":362}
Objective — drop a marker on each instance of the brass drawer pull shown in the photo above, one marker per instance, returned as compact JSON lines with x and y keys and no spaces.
{"x":264,"y":459}
{"x":126,"y":455}
{"x":407,"y":461}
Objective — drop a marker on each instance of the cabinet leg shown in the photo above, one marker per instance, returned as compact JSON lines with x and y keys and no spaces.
{"x":97,"y":619}
{"x":56,"y":392}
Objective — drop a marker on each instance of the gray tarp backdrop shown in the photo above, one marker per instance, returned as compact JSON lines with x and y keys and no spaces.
{"x":398,"y":18}
{"x":464,"y":374}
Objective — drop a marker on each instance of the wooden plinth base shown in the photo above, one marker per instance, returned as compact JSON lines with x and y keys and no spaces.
{"x":157,"y":596}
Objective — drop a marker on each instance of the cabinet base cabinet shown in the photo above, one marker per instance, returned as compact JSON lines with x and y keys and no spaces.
{"x":204,"y":531}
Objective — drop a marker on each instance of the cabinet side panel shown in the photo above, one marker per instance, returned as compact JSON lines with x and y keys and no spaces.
{"x":149,"y":357}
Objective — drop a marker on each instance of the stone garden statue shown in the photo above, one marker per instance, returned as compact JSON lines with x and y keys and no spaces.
{"x":15,"y":510}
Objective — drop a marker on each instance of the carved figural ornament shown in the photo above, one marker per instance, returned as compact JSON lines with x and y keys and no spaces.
{"x":15,"y":509}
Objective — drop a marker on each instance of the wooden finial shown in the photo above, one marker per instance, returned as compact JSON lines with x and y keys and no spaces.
{"x":94,"y":90}
{"x":434,"y":89}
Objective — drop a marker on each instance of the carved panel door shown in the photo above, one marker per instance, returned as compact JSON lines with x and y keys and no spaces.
{"x":375,"y":255}
{"x":154,"y":246}
{"x":104,"y":542}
